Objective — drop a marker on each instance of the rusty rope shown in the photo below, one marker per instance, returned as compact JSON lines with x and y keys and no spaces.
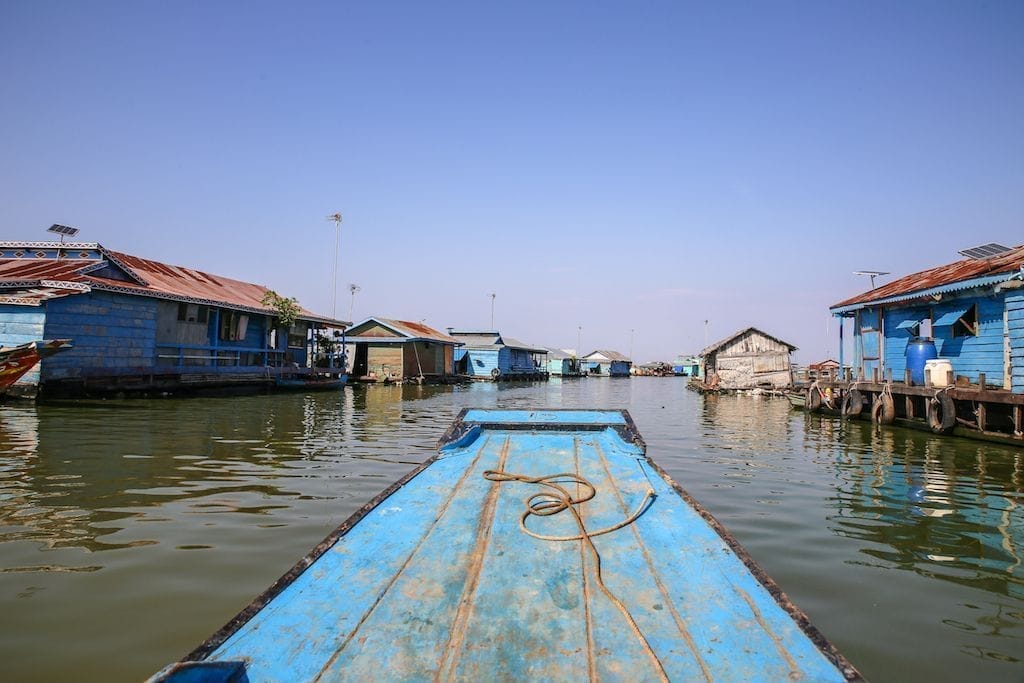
{"x":545,"y":504}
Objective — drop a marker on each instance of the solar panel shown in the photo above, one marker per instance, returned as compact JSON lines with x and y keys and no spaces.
{"x":62,"y":229}
{"x":984,"y":251}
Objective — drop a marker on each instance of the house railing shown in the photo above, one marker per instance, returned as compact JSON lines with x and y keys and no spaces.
{"x":186,"y":355}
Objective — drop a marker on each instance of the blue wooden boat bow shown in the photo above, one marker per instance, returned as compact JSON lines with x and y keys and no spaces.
{"x":533,"y":545}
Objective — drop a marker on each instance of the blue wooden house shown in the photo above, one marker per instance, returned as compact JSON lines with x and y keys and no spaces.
{"x":487,"y":355}
{"x":563,"y":364}
{"x":137,"y":324}
{"x":606,"y":363}
{"x":972,"y":309}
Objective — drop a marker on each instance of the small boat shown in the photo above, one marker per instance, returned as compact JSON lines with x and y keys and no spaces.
{"x":533,"y":545}
{"x":309,"y":383}
{"x":797,"y":399}
{"x":15,"y":361}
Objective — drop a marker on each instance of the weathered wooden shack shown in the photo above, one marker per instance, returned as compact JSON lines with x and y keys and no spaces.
{"x":138,"y":324}
{"x":607,"y":363}
{"x":487,"y":355}
{"x":389,"y":350}
{"x":747,"y":359}
{"x":561,"y":363}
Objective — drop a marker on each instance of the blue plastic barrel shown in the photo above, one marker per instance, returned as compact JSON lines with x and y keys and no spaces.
{"x":918,"y":351}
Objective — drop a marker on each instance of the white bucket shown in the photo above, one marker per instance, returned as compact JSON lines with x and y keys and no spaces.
{"x":935,"y":372}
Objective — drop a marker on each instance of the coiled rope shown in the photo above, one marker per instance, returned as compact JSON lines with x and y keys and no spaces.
{"x":548,"y":503}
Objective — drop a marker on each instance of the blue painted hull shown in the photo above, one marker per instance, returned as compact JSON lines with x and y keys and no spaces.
{"x":445,"y":575}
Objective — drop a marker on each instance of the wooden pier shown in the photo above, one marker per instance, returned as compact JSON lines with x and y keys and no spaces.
{"x":955,"y":406}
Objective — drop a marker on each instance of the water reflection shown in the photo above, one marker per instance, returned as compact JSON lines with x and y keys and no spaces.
{"x":945,"y":508}
{"x":894,"y":541}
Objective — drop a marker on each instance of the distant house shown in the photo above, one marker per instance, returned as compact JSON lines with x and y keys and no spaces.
{"x":824,"y":368}
{"x":393,"y":350}
{"x":748,"y":359}
{"x":972,"y":310}
{"x":606,"y":363}
{"x":687,"y":366}
{"x":487,"y":355}
{"x":561,"y":363}
{"x":137,"y":324}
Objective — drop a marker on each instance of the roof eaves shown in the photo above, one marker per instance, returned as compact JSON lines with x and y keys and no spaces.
{"x":932,"y":291}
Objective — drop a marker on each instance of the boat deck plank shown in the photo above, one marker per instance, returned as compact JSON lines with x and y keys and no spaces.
{"x":438,"y":580}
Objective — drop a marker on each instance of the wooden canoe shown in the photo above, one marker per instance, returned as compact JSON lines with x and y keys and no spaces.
{"x":447,"y":575}
{"x":15,"y":361}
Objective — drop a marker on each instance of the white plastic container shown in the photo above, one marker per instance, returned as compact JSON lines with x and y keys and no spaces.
{"x":935,"y":372}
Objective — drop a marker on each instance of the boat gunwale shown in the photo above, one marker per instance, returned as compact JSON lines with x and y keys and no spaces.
{"x":453,"y":434}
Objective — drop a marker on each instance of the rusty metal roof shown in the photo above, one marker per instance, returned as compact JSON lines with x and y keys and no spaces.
{"x":714,"y":347}
{"x":141,"y":277}
{"x":407,"y":330}
{"x":962,"y":271}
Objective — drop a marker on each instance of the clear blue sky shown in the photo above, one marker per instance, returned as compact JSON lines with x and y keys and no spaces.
{"x":617,"y":166}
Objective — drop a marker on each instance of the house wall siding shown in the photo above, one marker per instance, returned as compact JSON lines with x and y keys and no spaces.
{"x":1015,"y":330}
{"x":110,"y":334}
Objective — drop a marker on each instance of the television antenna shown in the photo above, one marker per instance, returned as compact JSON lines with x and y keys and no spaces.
{"x":872,"y":274}
{"x":352,"y":288}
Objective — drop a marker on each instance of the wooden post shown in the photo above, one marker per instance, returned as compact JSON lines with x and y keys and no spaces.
{"x":908,"y":406}
{"x":981,"y":416}
{"x":1017,"y":418}
{"x":950,"y":380}
{"x":907,"y":379}
{"x":981,"y":380}
{"x":874,"y":375}
{"x":888,"y":375}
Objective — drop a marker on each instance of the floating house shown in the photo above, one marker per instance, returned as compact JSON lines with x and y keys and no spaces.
{"x":487,"y":355}
{"x":686,"y":366}
{"x":606,"y":363}
{"x":137,"y":324}
{"x":562,"y":363}
{"x":747,"y":359}
{"x":942,"y":349}
{"x":972,"y":310}
{"x":388,"y":350}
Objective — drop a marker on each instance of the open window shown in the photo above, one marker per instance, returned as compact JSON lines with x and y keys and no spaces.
{"x":962,"y":321}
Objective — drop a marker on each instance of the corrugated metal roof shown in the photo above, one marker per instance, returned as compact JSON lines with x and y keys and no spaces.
{"x":516,"y":344}
{"x":146,"y":278}
{"x":609,"y":355}
{"x":479,"y":340}
{"x":714,"y":347}
{"x":408,"y":331}
{"x":954,"y":276}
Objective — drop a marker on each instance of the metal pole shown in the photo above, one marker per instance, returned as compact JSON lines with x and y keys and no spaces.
{"x":336,"y":217}
{"x":579,"y":335}
{"x":492,"y":310}
{"x":631,"y":344}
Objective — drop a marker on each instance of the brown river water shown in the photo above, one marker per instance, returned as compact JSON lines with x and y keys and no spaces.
{"x":130,"y":530}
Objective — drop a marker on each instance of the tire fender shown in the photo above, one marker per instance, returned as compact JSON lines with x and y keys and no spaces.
{"x":813,"y":399}
{"x":495,"y":373}
{"x":883,"y":410}
{"x":941,"y":414}
{"x":853,"y":403}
